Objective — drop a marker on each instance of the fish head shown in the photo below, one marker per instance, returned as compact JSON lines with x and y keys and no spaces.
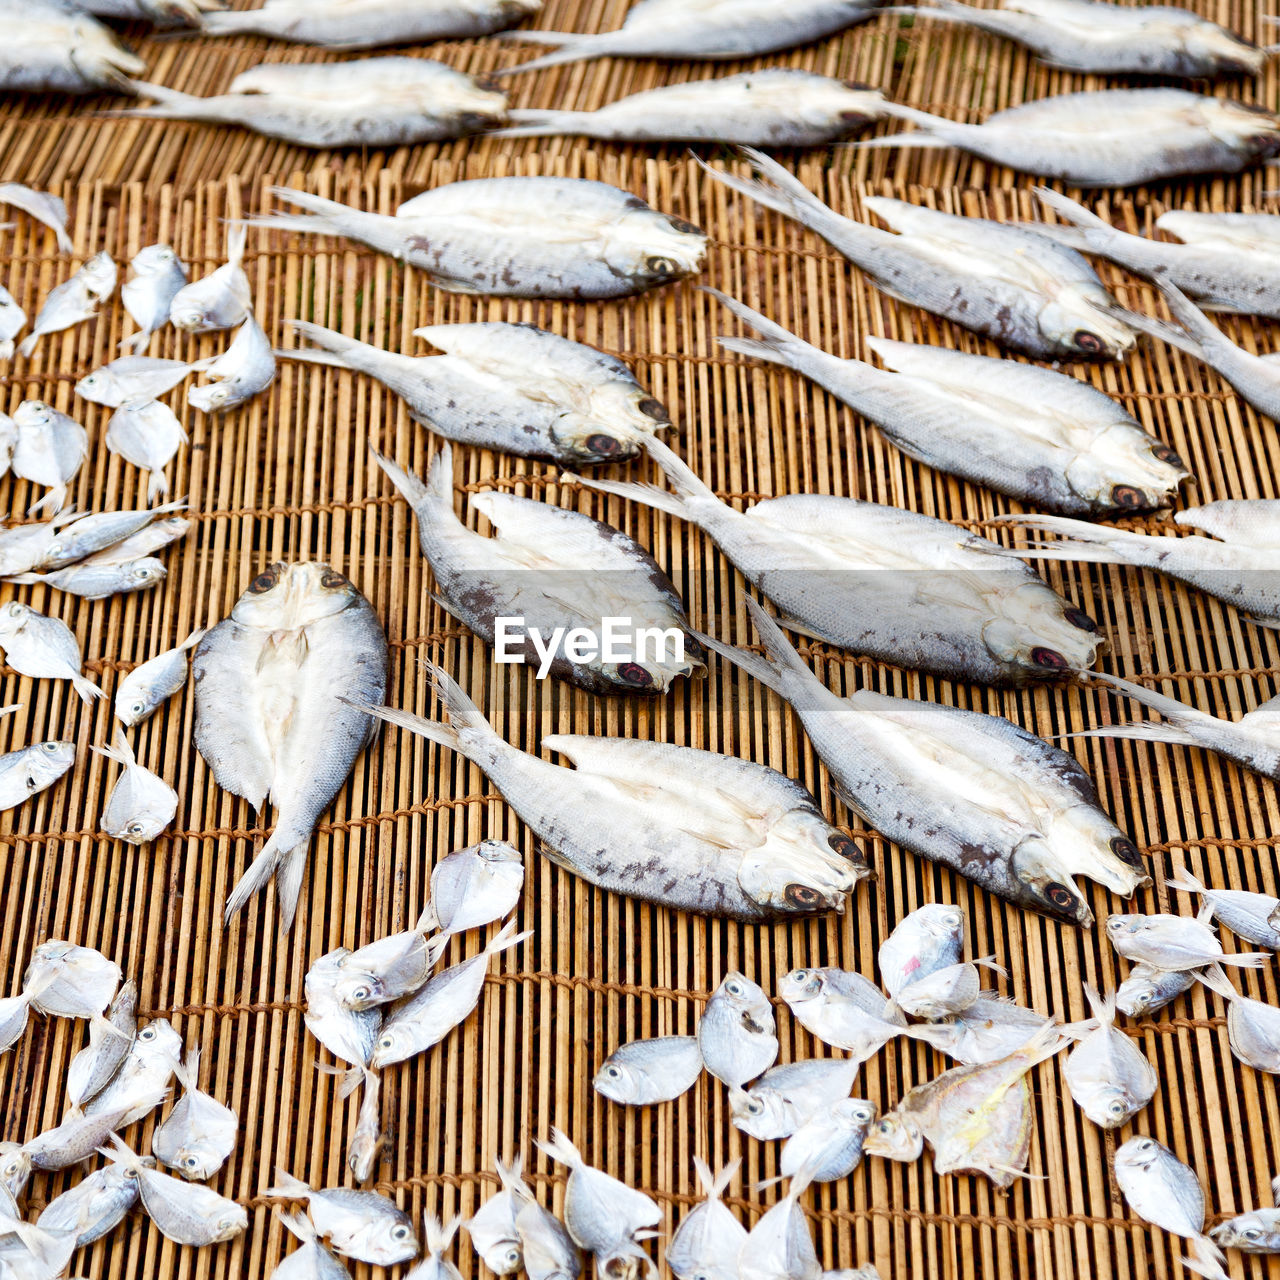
{"x":360,"y":989}
{"x":1249,"y":130}
{"x":1037,"y":635}
{"x":474,"y":104}
{"x":504,"y":1258}
{"x":894,"y":1137}
{"x":99,"y":274}
{"x":155,"y":259}
{"x":1138,"y":1153}
{"x":197,"y":1164}
{"x":616,"y":1081}
{"x":34,"y":415}
{"x":1256,"y":1232}
{"x":1046,"y":887}
{"x":94,"y":386}
{"x":147,"y":572}
{"x":287,"y":597}
{"x":15,"y":1166}
{"x":739,"y":991}
{"x":389,"y":1238}
{"x":765,"y":1115}
{"x":215,"y":397}
{"x":854,"y":1113}
{"x":801,"y":985}
{"x":1076,"y":322}
{"x":496,"y":851}
{"x":613,"y":424}
{"x":652,"y":249}
{"x":143,"y":828}
{"x":159,"y":1040}
{"x":802,"y":866}
{"x":1087,"y":843}
{"x":231,"y":1221}
{"x":1126,"y":470}
{"x":48,"y":761}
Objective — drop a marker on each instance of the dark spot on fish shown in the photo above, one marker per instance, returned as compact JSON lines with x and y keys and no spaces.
{"x":265,"y":580}
{"x":1127,"y":852}
{"x":688,"y":228}
{"x":1078,"y":618}
{"x":841,"y":844}
{"x":1061,"y":898}
{"x":1127,"y":497}
{"x":1165,"y":454}
{"x":1049,"y":658}
{"x":802,"y":897}
{"x":600,"y":445}
{"x":654,"y":409}
{"x":751,"y":1025}
{"x":333,"y":580}
{"x":634,"y":673}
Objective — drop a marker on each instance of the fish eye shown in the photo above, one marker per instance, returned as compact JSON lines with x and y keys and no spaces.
{"x":1126,"y":851}
{"x":755,"y":1107}
{"x":601,"y":445}
{"x":1251,"y":1233}
{"x":799,"y":975}
{"x":191,"y":1162}
{"x":864,"y":1113}
{"x":802,"y":897}
{"x":688,"y":228}
{"x":734,"y":987}
{"x":655,"y":409}
{"x":50,"y":747}
{"x":841,"y":844}
{"x":1078,"y":618}
{"x":400,"y":1232}
{"x":512,"y":1257}
{"x":1126,"y":496}
{"x":1048,"y":658}
{"x":263,"y":582}
{"x":135,"y":829}
{"x":331,"y":578}
{"x":386,"y":1042}
{"x":362,"y":992}
{"x":634,"y":673}
{"x":953,"y":917}
{"x":1090,"y":342}
{"x":1118,"y":1108}
{"x":612,"y":1072}
{"x":1060,"y":896}
{"x":1165,"y":454}
{"x":661,"y":267}
{"x":138,"y":708}
{"x":147,"y":1033}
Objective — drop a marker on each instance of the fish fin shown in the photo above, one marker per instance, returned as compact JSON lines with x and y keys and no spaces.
{"x":1206,"y":1258}
{"x":1068,"y":236}
{"x":107,"y":1028}
{"x":1214,"y":977}
{"x":1248,"y":959}
{"x":506,"y":939}
{"x":194,"y":638}
{"x":170,"y":103}
{"x":1072,"y":210}
{"x":349,"y":1078}
{"x":237,"y":237}
{"x":716,"y":1184}
{"x":1077,"y":540}
{"x":1186,"y":882}
{"x":187,"y":1070}
{"x":1196,"y":325}
{"x":28,"y":344}
{"x":120,"y":1152}
{"x":53,"y":501}
{"x":924,"y":141}
{"x":436,"y":731}
{"x":436,"y":1236}
{"x":1140,"y":731}
{"x":1102,"y":1007}
{"x":86,"y":688}
{"x":297,"y":1223}
{"x":754,"y":665}
{"x":438,"y":485}
{"x":428,"y":920}
{"x":120,"y":751}
{"x":286,"y":864}
{"x":989,"y":962}
{"x":510,"y":1174}
{"x":768,"y":1182}
{"x":157,"y":484}
{"x":287,"y":1186}
{"x":576,"y":47}
{"x":23,"y":579}
{"x":436,"y":947}
{"x":685,"y":484}
{"x":562,"y":1149}
{"x":780,"y":652}
{"x":541,"y":124}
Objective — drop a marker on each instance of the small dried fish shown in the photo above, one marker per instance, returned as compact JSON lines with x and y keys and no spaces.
{"x":368,"y":1139}
{"x":29,"y":770}
{"x":602,"y":1214}
{"x":158,"y":276}
{"x":68,"y":981}
{"x":780,"y":1244}
{"x":1163,"y":1191}
{"x":1086,"y":35}
{"x":509,"y":387}
{"x":49,"y":450}
{"x":24,"y":546}
{"x":1174,"y":943}
{"x":199,"y":1134}
{"x":775,"y":107}
{"x":925,"y":940}
{"x":73,"y":301}
{"x":718,"y":834}
{"x":492,"y":1227}
{"x":383,"y":970}
{"x":95,"y":1206}
{"x":43,"y":206}
{"x":39,"y":646}
{"x":836,"y":1018}
{"x":1147,"y":989}
{"x":92,"y":1068}
{"x":98,"y":582}
{"x":1019,"y":288}
{"x":141,"y":804}
{"x":54,"y":47}
{"x":522,"y":237}
{"x":15,"y":1168}
{"x":147,"y":434}
{"x":1257,"y":1231}
{"x":1109,"y":1078}
{"x":945,"y":992}
{"x":423,"y":1019}
{"x":145,"y":689}
{"x":547,"y":1250}
{"x":12,"y":320}
{"x":1253,"y":1027}
{"x":73,"y":1141}
{"x":134,"y":378}
{"x":142,"y":1082}
{"x":220,"y":300}
{"x":138,"y":546}
{"x":711,"y":29}
{"x":644,"y":1072}
{"x":245,"y":369}
{"x":347,"y":1033}
{"x":14,"y":1013}
{"x":707,"y":1243}
{"x":371,"y":102}
{"x":471,"y":888}
{"x":363,"y":24}
{"x":786,"y":1098}
{"x":1247,"y":915}
{"x":185,"y":1212}
{"x":829,"y":1145}
{"x":357,"y":1224}
{"x":1107,"y":137}
{"x":1239,"y":568}
{"x":737,"y":1036}
{"x":878,"y":580}
{"x":990,"y":1028}
{"x":313,"y":1261}
{"x":88,"y":535}
{"x":1035,"y":434}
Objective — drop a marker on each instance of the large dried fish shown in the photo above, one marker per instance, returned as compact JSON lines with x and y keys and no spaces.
{"x":57,"y":47}
{"x":523,"y":237}
{"x":686,"y":828}
{"x":1108,"y":137}
{"x":1015,"y":286}
{"x":711,"y":29}
{"x":270,"y":720}
{"x":558,"y":572}
{"x":892,"y":584}
{"x":509,"y":387}
{"x":1034,"y":434}
{"x":372,"y":102}
{"x":776,"y":107}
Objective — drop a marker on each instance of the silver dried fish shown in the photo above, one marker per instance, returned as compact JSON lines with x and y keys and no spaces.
{"x":1246,"y":914}
{"x":138,"y":546}
{"x":43,"y":206}
{"x":946,"y":992}
{"x":471,"y":888}
{"x":990,"y":1028}
{"x":52,"y":47}
{"x":199,"y":1134}
{"x":147,"y":434}
{"x":29,"y":770}
{"x":1147,"y":989}
{"x":492,"y":1227}
{"x":437,"y":1238}
{"x":73,"y":301}
{"x":69,"y":981}
{"x":245,"y":369}
{"x":1253,"y":1026}
{"x":158,"y":275}
{"x":357,"y":1224}
{"x":74,"y":1140}
{"x":780,"y":1245}
{"x":828,"y":1146}
{"x":87,"y":536}
{"x":141,"y":804}
{"x":1108,"y":1076}
{"x":48,"y":450}
{"x":707,"y":1243}
{"x":95,"y":1206}
{"x":313,"y":1261}
{"x":383,"y":970}
{"x":1174,"y":943}
{"x":737,"y":1036}
{"x":98,"y":581}
{"x":142,"y":1082}
{"x":92,"y":1068}
{"x":922,"y":942}
{"x":368,"y":1139}
{"x":1257,"y":1231}
{"x":134,"y":378}
{"x":787,"y":1097}
{"x":12,"y":321}
{"x":39,"y":646}
{"x":220,"y":300}
{"x":644,"y":1072}
{"x":150,"y":684}
{"x":837,"y":1019}
{"x":347,"y":1033}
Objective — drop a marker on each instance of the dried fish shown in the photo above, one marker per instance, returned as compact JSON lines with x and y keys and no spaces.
{"x":990,"y":1028}
{"x":42,"y":647}
{"x":719,"y":835}
{"x":142,"y":1082}
{"x":52,"y":47}
{"x":709,"y":1239}
{"x":523,"y":237}
{"x":95,"y":1206}
{"x":1086,"y":35}
{"x":892,"y":584}
{"x":138,"y":546}
{"x":347,"y":1033}
{"x":945,"y":992}
{"x":1147,"y":989}
{"x":471,"y":888}
{"x":147,"y":434}
{"x":1109,"y":1078}
{"x":509,"y":387}
{"x":780,"y":1245}
{"x":48,"y":450}
{"x":547,"y":1250}
{"x":92,"y":1068}
{"x":492,"y":1227}
{"x":158,"y":276}
{"x":837,"y":1019}
{"x":829,"y":1145}
{"x":383,"y":970}
{"x":199,"y":1134}
{"x":925,"y":940}
{"x":146,"y":688}
{"x":25,"y":546}
{"x":1163,"y":1191}
{"x":313,"y":1261}
{"x":269,"y":682}
{"x":69,"y":981}
{"x":133,"y":378}
{"x":787,"y":1097}
{"x":372,"y":102}
{"x":1107,"y":137}
{"x":368,"y":1139}
{"x":437,"y":1239}
{"x":1238,"y":564}
{"x":1015,"y":286}
{"x":15,"y":1168}
{"x":711,"y":29}
{"x":43,"y":206}
{"x":245,"y":369}
{"x":1257,"y":1231}
{"x":1253,"y":1026}
{"x":220,"y":300}
{"x":775,"y":107}
{"x":29,"y":770}
{"x":141,"y":804}
{"x":98,"y":582}
{"x":363,"y":24}
{"x":1033,"y":434}
{"x":357,"y":1224}
{"x":997,"y":804}
{"x":14,"y":1013}
{"x":736,"y":1033}
{"x":1246,"y":914}
{"x":72,"y":1141}
{"x":1174,"y":943}
{"x":73,"y":301}
{"x":562,"y":573}
{"x":644,"y":1072}
{"x":12,"y":320}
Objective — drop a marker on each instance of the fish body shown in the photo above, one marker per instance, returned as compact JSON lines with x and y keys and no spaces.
{"x":365,"y":24}
{"x":829,"y":1146}
{"x":94,"y":1207}
{"x":786,"y":1098}
{"x":781,"y":1244}
{"x":12,"y":321}
{"x":74,"y":1140}
{"x":245,"y":369}
{"x":39,"y":646}
{"x":97,"y":582}
{"x":492,"y":1227}
{"x":150,"y":684}
{"x":1021,"y":289}
{"x":133,"y":377}
{"x":1109,"y":1078}
{"x":702,"y":832}
{"x":372,"y":102}
{"x":776,"y":107}
{"x":473,"y":887}
{"x":220,"y":300}
{"x":48,"y":450}
{"x":945,"y":992}
{"x":138,"y":546}
{"x":1034,"y":434}
{"x":147,"y":434}
{"x":509,"y":387}
{"x":704,"y":29}
{"x":158,"y":275}
{"x":73,"y":301}
{"x":895,"y":585}
{"x":1253,"y":1027}
{"x":1109,"y":137}
{"x":1002,"y":807}
{"x":142,"y":1081}
{"x":349,"y":1034}
{"x":533,"y":569}
{"x":268,"y":681}
{"x":1239,"y":564}
{"x":92,"y":1068}
{"x":837,"y":1019}
{"x":45,"y":207}
{"x":199,"y":1134}
{"x":313,"y":1261}
{"x":1102,"y":38}
{"x":1174,"y":943}
{"x":28,"y":771}
{"x":547,"y":1250}
{"x":357,"y":1224}
{"x":737,"y":1036}
{"x":1257,"y":1231}
{"x":644,"y":1072}
{"x":520,"y":237}
{"x":368,"y":1139}
{"x":61,"y":49}
{"x":68,"y":981}
{"x":709,"y":1238}
{"x":1247,"y":915}
{"x":928,"y":939}
{"x":990,"y":1028}
{"x":1147,"y":989}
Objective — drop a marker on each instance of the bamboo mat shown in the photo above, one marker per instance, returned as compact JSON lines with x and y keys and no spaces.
{"x":290,"y":476}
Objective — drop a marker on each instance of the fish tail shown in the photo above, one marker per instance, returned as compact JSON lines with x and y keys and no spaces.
{"x":1197,"y":333}
{"x":53,"y":501}
{"x":764,"y":1183}
{"x":542,"y":124}
{"x":321,"y":216}
{"x":438,"y":486}
{"x":715,"y":1184}
{"x":288,"y":1187}
{"x":119,"y":1152}
{"x":335,"y":347}
{"x":297,"y":1223}
{"x":436,"y":731}
{"x":135,"y":342}
{"x":349,"y":1078}
{"x":1078,"y":540}
{"x":1248,"y":959}
{"x":1102,"y":1007}
{"x":510,"y":1174}
{"x":561,"y":1148}
{"x":576,"y":47}
{"x":286,"y":862}
{"x":24,"y":579}
{"x":436,"y":947}
{"x":990,"y":962}
{"x":1072,"y":210}
{"x":87,"y":690}
{"x":688,"y":488}
{"x":28,"y":344}
{"x":1205,"y":1259}
{"x":193,"y":639}
{"x":108,"y":1028}
{"x":170,"y":104}
{"x":775,"y":343}
{"x":187,"y":1069}
{"x":157,"y":486}
{"x":779,"y":651}
{"x":1215,"y":978}
{"x":506,"y":939}
{"x":1186,"y":882}
{"x":6,"y":349}
{"x":754,"y":665}
{"x":237,"y":237}
{"x":120,"y":751}
{"x":437,"y":1236}
{"x":10,"y":709}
